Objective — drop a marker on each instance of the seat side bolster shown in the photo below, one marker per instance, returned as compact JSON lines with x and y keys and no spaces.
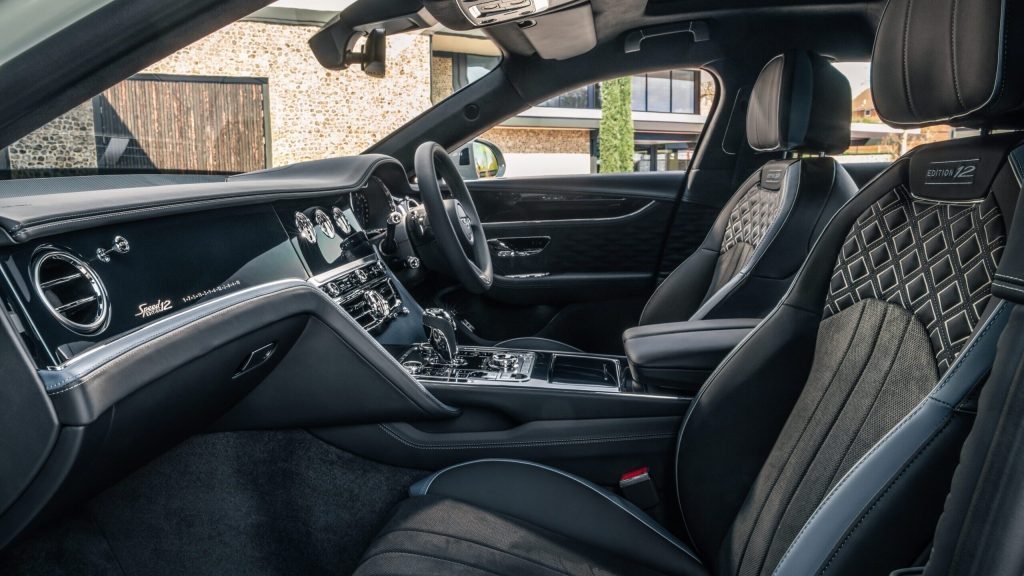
{"x":853,"y":496}
{"x":563,"y":503}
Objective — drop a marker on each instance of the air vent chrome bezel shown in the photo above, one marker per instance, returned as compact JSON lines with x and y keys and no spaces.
{"x":323,"y":221}
{"x":305,"y":227}
{"x":89,"y":275}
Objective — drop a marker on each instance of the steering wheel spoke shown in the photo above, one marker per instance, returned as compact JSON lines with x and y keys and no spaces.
{"x":455,"y":222}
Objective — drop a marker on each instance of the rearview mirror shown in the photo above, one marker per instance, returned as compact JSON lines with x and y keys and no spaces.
{"x":479,"y":159}
{"x":373,"y":59}
{"x":334,"y":47}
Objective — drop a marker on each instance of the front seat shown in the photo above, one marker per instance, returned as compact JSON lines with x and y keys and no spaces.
{"x":978,"y":532}
{"x":800,"y":105}
{"x":826,"y":441}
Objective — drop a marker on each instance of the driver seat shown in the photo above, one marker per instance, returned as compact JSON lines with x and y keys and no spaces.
{"x":800,"y":104}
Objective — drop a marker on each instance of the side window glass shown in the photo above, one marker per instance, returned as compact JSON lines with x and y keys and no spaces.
{"x":871,"y":139}
{"x":642,"y":123}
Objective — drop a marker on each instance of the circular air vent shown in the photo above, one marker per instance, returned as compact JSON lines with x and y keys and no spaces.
{"x":305,"y":227}
{"x":71,"y":291}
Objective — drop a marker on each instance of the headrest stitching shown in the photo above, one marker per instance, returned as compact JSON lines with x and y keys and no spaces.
{"x":906,"y":58}
{"x":956,"y":71}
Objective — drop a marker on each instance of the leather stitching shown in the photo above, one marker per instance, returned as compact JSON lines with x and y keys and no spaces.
{"x":835,"y":420}
{"x":796,"y":444}
{"x":432,"y":557}
{"x":474,"y":542}
{"x":960,"y":362}
{"x":611,"y":498}
{"x":523,"y":443}
{"x":956,"y":74}
{"x":906,"y":71}
{"x":903,"y":471}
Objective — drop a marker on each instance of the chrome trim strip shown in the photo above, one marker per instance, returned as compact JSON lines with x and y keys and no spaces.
{"x":556,"y":388}
{"x":326,"y":277}
{"x":632,"y":214}
{"x":172,"y":320}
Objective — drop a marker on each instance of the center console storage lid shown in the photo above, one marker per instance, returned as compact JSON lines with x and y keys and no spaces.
{"x":681,"y":355}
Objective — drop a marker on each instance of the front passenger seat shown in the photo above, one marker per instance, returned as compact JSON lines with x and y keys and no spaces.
{"x":826,"y":442}
{"x":800,"y":105}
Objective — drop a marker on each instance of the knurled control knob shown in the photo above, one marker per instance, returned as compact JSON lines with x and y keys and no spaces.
{"x":332,"y":289}
{"x":360,"y":276}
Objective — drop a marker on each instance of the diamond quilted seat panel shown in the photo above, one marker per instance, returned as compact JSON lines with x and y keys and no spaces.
{"x":749,"y":223}
{"x":936,"y":260}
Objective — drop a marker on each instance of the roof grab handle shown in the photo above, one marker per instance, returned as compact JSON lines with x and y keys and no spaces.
{"x":698,"y":28}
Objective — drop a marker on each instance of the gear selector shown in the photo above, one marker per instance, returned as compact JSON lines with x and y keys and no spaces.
{"x":439,"y":327}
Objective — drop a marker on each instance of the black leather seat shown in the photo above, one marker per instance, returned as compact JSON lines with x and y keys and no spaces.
{"x":978,"y":534}
{"x":826,"y":442}
{"x":800,"y":103}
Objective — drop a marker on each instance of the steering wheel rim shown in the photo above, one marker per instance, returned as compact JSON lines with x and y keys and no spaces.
{"x":455,"y":223}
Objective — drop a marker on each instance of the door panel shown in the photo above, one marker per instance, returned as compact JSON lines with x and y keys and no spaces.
{"x":576,"y":257}
{"x":585,"y":236}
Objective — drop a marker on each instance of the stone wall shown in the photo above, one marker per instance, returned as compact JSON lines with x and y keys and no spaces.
{"x":67,"y":142}
{"x":441,"y":78}
{"x":539,"y":140}
{"x":314,"y":112}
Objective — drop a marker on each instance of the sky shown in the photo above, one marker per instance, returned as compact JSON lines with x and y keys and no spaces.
{"x":858,"y":73}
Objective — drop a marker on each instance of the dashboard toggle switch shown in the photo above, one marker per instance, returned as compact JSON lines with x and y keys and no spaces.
{"x":120,"y":246}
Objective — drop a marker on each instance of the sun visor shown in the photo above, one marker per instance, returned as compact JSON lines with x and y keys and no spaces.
{"x":564,"y":34}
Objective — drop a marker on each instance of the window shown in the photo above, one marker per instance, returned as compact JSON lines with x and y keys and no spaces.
{"x":660,"y":116}
{"x":587,"y":97}
{"x":458,"y":60}
{"x":247,"y":97}
{"x":871,"y":140}
{"x":677,"y":91}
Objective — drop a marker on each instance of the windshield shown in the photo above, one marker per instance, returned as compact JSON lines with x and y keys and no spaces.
{"x":251,"y":96}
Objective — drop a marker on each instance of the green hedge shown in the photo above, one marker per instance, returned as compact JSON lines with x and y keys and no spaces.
{"x":615,"y":137}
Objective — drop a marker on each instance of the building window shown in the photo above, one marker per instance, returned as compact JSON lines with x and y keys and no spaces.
{"x":468,"y":68}
{"x":587,"y":97}
{"x":676,"y":91}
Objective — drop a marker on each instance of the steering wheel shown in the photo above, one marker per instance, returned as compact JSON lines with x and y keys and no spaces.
{"x":454,"y":222}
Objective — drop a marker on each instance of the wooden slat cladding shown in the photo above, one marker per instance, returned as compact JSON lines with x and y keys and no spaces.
{"x":183,"y":124}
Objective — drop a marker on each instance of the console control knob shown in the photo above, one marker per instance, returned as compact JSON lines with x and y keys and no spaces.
{"x":412,"y":263}
{"x":502,"y":361}
{"x":379,"y":307}
{"x":332,"y":290}
{"x":360,"y":276}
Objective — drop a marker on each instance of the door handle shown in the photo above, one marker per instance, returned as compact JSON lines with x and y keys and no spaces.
{"x":518,"y":247}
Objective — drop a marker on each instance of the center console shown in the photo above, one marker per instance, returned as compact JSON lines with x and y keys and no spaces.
{"x":440,"y":361}
{"x":524,"y":368}
{"x":365,"y":291}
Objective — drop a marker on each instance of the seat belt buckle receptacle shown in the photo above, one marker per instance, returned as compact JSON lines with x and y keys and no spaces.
{"x":638,"y":488}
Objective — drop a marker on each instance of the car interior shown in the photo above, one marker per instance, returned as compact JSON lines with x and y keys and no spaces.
{"x":773,"y":362}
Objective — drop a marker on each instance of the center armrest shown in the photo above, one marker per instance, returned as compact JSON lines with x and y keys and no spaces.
{"x":680,"y":356}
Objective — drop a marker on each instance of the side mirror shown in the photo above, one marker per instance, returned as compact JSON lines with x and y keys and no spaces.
{"x":479,"y":159}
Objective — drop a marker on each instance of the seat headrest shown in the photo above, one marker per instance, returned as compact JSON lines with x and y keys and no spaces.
{"x":800,"y":102}
{"x":949,"y":62}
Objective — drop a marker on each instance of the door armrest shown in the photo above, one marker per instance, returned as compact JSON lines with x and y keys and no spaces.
{"x":679,"y":356}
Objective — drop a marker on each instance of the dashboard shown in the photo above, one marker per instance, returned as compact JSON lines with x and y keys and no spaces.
{"x":69,"y":292}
